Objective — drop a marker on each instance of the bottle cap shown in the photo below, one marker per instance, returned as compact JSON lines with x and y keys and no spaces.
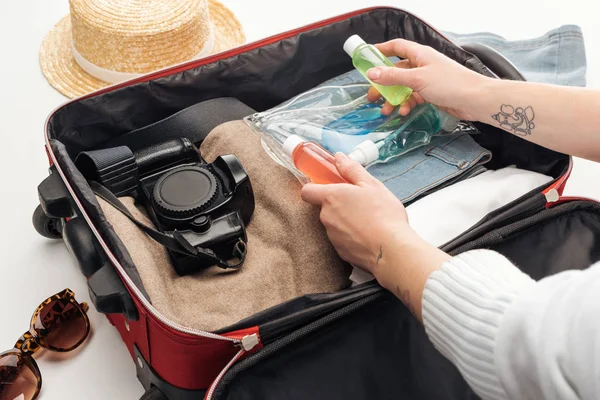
{"x":352,"y":43}
{"x":447,"y":122}
{"x":290,"y":144}
{"x":365,"y":153}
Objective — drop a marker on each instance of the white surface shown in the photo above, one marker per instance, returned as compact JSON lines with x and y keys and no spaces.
{"x":33,"y":268}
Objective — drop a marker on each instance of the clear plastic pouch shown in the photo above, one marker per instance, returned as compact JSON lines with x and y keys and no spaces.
{"x":341,"y":119}
{"x":310,"y":113}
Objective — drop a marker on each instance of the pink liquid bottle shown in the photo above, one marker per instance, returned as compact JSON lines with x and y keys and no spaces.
{"x":312,"y":160}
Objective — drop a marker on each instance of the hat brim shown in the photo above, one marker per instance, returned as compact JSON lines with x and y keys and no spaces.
{"x":65,"y":75}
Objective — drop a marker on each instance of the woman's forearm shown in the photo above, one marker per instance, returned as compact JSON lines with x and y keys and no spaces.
{"x":561,"y":118}
{"x":564,"y":119}
{"x":405,"y":264}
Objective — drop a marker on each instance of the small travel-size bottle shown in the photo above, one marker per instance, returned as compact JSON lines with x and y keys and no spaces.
{"x":312,"y":160}
{"x":417,"y":129}
{"x":366,"y":56}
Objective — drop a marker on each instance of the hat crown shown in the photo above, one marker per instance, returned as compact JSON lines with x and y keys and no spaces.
{"x":139,"y":36}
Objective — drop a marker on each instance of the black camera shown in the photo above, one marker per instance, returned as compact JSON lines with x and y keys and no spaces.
{"x":200,"y":209}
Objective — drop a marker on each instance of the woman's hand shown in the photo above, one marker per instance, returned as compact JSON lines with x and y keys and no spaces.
{"x":368,"y":226}
{"x":433,"y":77}
{"x":360,"y":217}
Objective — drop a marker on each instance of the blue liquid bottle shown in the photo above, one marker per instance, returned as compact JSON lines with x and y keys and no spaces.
{"x":417,"y":129}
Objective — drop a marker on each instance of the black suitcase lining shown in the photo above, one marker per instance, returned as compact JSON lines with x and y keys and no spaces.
{"x":566,"y":236}
{"x":261,"y":78}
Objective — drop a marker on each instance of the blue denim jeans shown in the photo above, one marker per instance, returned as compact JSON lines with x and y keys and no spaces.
{"x":557,"y":57}
{"x":446,"y":159}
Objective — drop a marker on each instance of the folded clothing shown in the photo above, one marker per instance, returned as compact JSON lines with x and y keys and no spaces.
{"x":289,"y":254}
{"x":445,"y":214}
{"x":428,"y":168}
{"x":557,"y":57}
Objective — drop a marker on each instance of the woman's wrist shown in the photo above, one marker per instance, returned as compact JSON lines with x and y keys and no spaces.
{"x":406,"y":263}
{"x":485,"y":98}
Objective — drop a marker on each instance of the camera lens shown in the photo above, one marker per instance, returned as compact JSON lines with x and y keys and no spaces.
{"x":185,"y":191}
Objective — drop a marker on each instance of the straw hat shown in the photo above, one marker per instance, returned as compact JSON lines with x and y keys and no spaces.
{"x":103,"y":42}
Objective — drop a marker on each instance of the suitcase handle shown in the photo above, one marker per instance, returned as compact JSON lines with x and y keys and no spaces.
{"x":54,"y":196}
{"x":109,"y":294}
{"x":107,"y":291}
{"x":495,"y":61}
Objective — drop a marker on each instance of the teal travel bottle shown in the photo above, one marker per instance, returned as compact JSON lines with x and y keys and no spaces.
{"x":366,"y":56}
{"x":417,"y":129}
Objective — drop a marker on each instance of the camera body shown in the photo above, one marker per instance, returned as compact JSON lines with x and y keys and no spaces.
{"x":203,"y":206}
{"x":208,"y":204}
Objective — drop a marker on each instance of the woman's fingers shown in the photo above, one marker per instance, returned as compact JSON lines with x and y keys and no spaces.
{"x":389,"y":76}
{"x":401,"y":48}
{"x":408,"y":105}
{"x":403,"y":64}
{"x":387,"y":108}
{"x":314,"y":194}
{"x":352,"y":171}
{"x":405,"y":108}
{"x":418,"y":98}
{"x":373,"y":95}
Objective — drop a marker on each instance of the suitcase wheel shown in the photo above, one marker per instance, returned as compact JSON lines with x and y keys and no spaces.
{"x":46,"y":226}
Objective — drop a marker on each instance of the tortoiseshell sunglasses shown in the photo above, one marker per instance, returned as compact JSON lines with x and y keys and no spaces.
{"x":60,"y":324}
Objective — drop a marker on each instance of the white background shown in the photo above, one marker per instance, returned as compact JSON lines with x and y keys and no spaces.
{"x":32,"y":268}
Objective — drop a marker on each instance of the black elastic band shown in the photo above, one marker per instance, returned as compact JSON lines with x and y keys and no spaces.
{"x":177,"y":242}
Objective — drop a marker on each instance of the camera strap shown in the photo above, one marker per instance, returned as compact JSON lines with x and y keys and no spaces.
{"x":176,"y":241}
{"x":194,"y":122}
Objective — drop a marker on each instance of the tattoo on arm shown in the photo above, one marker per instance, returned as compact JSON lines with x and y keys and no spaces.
{"x":380,"y":255}
{"x":405,"y":297}
{"x":517,"y":120}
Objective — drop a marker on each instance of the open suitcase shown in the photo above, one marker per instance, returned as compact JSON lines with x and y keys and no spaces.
{"x":355,"y":344}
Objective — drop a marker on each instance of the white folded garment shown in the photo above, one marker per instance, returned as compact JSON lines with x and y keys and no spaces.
{"x":445,"y":214}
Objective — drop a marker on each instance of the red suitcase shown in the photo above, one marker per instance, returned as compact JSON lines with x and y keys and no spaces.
{"x":176,"y":362}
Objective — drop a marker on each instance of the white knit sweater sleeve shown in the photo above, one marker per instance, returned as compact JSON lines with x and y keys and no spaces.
{"x":513,"y":337}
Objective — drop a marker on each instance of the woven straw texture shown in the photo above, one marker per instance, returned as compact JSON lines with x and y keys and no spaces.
{"x":134,"y":36}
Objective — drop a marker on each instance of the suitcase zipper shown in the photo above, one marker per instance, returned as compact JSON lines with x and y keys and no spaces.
{"x":552,"y":195}
{"x":213,"y":386}
{"x":247,"y":343}
{"x":278,"y":345}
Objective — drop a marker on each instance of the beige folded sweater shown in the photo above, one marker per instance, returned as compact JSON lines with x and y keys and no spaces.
{"x":289,"y":254}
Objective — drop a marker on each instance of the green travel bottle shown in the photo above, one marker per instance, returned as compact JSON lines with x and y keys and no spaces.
{"x":366,"y":56}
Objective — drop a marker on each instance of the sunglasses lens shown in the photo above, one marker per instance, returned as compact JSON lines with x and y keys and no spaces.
{"x":61,"y":325}
{"x":17,"y":379}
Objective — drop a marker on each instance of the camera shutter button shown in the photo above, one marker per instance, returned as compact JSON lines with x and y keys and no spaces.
{"x":202,"y":223}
